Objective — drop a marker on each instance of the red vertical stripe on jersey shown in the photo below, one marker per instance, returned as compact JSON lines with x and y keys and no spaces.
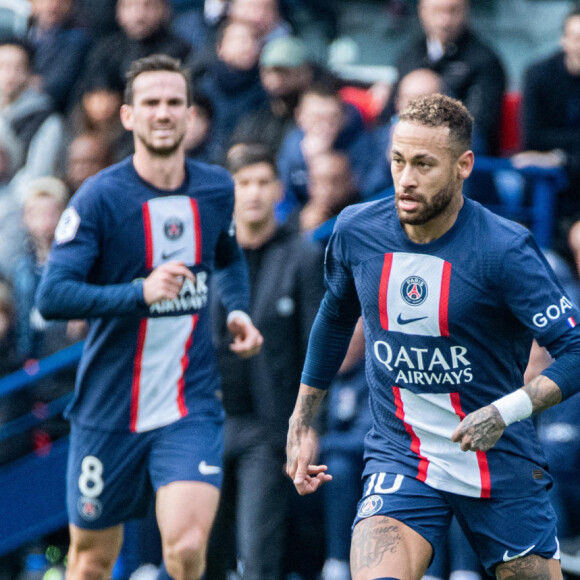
{"x":197,"y":229}
{"x":481,"y":456}
{"x":141,"y":334}
{"x":415,"y":441}
{"x":148,"y":237}
{"x":444,"y":300}
{"x":184,"y":364}
{"x":383,"y":287}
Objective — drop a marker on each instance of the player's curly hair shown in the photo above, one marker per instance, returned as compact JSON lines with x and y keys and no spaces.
{"x":155,"y":63}
{"x":438,"y":110}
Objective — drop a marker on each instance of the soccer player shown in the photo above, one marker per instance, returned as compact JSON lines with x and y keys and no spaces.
{"x":133,"y":253}
{"x":451,"y":296}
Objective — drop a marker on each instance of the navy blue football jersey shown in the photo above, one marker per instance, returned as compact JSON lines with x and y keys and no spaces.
{"x":448,"y":329}
{"x":148,"y":368}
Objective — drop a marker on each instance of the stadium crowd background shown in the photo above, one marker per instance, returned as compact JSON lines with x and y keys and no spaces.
{"x":317,"y":82}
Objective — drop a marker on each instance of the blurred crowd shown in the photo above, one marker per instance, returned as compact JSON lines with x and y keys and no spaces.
{"x":321,"y":141}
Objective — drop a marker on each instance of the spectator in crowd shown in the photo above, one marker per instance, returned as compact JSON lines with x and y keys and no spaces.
{"x":45,"y":199}
{"x":348,"y":419}
{"x":470,"y":69}
{"x":263,"y":15}
{"x":551,"y":121}
{"x":199,"y":128}
{"x":325,"y":123}
{"x":60,"y":48}
{"x":286,"y":72}
{"x":286,"y":288}
{"x":144,"y":30}
{"x":331,"y":187}
{"x":97,"y":112}
{"x":87,"y":154}
{"x":232,"y":83}
{"x":28,"y":112}
{"x":11,"y":231}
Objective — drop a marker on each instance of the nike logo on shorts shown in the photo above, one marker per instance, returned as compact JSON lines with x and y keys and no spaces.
{"x":401,"y":320}
{"x":507,"y":558}
{"x":206,"y":469}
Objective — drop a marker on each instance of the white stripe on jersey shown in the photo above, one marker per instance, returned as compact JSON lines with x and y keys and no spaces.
{"x":162,"y":366}
{"x":425,"y":315}
{"x":430,"y":419}
{"x":173,"y":230}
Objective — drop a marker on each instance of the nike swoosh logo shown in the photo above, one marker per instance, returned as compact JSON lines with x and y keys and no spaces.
{"x":401,"y":320}
{"x":206,"y":469}
{"x":165,"y":256}
{"x":507,"y":558}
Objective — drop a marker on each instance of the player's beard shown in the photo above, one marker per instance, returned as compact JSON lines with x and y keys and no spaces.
{"x":429,"y":209}
{"x":163,"y":151}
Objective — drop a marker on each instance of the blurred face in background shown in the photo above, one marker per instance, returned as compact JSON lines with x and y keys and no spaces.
{"x":41,"y":215}
{"x":239,"y":47}
{"x":50,"y":13}
{"x":330,"y":180}
{"x":257,"y":190}
{"x":102,"y":106}
{"x":87,"y":155}
{"x":141,"y":18}
{"x":14,"y":72}
{"x":416,"y":84}
{"x":280,"y":81}
{"x":443,"y":20}
{"x":571,"y":44}
{"x":263,"y":15}
{"x":321,"y":115}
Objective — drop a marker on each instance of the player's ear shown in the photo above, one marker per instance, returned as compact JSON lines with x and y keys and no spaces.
{"x":465,"y":164}
{"x":127,"y":117}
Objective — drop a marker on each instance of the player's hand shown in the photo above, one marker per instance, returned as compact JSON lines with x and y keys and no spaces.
{"x":480,"y":430}
{"x":247,"y":338}
{"x":301,"y":451}
{"x":165,"y":282}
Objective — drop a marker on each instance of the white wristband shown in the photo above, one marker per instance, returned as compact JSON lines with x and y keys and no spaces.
{"x":238,"y":314}
{"x":514,"y":407}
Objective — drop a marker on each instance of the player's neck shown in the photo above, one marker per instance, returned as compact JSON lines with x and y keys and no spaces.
{"x":436,"y":227}
{"x":251,"y":236}
{"x":161,"y":172}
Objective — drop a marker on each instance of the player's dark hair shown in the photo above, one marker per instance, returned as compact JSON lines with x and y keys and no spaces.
{"x":23,"y":45}
{"x":243,"y":155}
{"x":155,"y":63}
{"x":442,"y":111}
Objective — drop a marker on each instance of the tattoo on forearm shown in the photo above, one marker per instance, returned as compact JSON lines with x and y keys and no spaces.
{"x":529,"y":568}
{"x":371,"y":540}
{"x":544,"y":393}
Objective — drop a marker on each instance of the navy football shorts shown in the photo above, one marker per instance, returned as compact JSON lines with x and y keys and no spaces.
{"x":111,"y":477}
{"x":499,"y":529}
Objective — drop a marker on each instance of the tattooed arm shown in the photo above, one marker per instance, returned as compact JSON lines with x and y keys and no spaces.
{"x":480,"y":430}
{"x":301,"y":444}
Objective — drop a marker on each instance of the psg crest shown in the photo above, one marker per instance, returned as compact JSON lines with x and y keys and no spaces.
{"x":89,"y":509}
{"x":370,"y":506}
{"x":173,"y":228}
{"x":414,"y":290}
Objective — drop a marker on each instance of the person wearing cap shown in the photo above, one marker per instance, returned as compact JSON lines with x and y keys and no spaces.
{"x":286,"y":71}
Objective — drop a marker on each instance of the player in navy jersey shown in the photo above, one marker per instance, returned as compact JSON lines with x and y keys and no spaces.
{"x":451,"y":296}
{"x":133,"y":253}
